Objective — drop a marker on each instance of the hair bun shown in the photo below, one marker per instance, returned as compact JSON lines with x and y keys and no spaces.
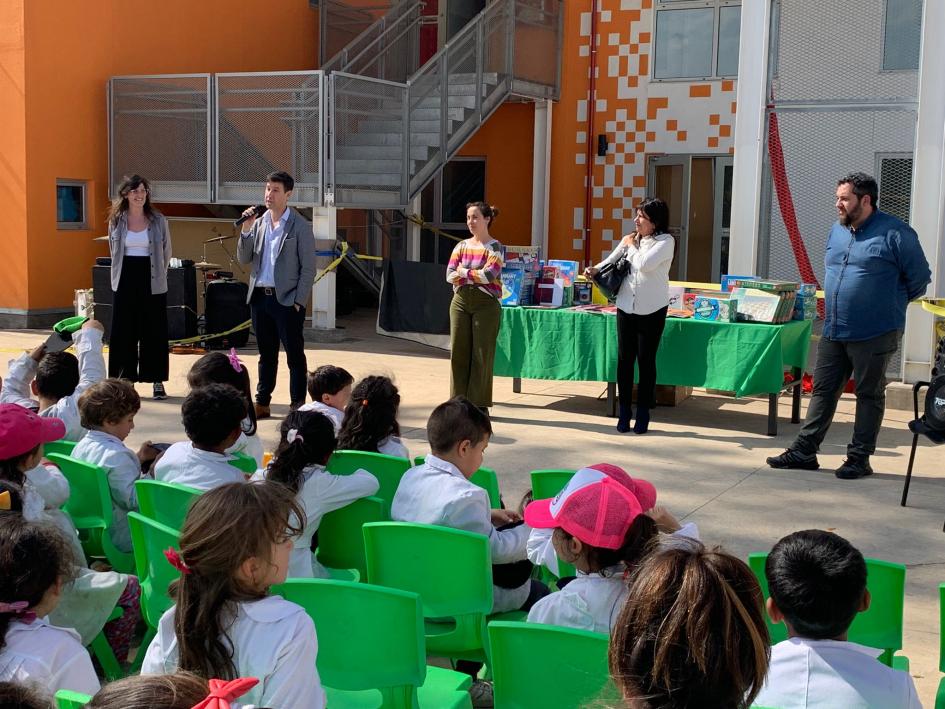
{"x":495,"y":210}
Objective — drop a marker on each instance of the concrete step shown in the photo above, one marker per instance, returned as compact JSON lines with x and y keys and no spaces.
{"x":433,"y":113}
{"x":382,"y":139}
{"x":367,"y":179}
{"x":396,"y":126}
{"x":367,"y":166}
{"x":379,"y":152}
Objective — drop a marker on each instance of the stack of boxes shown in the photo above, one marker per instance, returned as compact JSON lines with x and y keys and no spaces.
{"x":805,"y":303}
{"x":520,"y":274}
{"x":763,"y":301}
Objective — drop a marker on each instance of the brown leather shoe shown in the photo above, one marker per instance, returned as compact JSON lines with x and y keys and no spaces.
{"x":262,"y":411}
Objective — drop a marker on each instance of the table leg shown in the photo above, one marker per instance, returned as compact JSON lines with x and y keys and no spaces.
{"x":516,"y":385}
{"x":772,"y":414}
{"x":796,"y":397}
{"x":612,"y":398}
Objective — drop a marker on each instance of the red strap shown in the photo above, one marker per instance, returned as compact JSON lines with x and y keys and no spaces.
{"x":222,"y":692}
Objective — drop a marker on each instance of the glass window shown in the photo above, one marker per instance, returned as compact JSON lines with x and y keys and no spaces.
{"x":464,"y":181}
{"x":730,"y":19}
{"x":684,"y":43}
{"x":902,"y":35}
{"x":70,"y":204}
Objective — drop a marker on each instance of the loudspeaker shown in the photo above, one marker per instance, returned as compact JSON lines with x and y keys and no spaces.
{"x":181,"y":300}
{"x":226,"y":307}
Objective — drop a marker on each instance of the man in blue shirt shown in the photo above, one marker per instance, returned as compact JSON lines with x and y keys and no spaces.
{"x":874,"y":267}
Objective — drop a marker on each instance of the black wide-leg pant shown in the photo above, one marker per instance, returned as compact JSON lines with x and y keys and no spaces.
{"x":137,"y":347}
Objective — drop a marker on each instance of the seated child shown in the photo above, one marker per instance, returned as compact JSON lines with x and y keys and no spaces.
{"x":212,"y":417}
{"x":219,"y":368}
{"x":330,"y":389}
{"x":58,"y":378}
{"x":235,"y":544}
{"x":439,"y":492}
{"x":817,"y":582}
{"x":692,"y":633}
{"x":307,"y":442}
{"x":181,"y":690}
{"x":599,"y":527}
{"x":35,"y":562}
{"x":370,"y":422}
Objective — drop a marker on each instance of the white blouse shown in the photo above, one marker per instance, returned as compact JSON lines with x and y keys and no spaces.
{"x":646,"y":286}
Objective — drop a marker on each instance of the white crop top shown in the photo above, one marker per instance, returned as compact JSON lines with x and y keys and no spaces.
{"x":137,"y":243}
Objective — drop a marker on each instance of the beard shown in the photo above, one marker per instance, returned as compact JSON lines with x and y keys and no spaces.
{"x":851,"y":216}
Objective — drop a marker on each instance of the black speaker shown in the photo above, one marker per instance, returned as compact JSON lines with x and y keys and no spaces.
{"x":226,"y":307}
{"x":181,"y":302}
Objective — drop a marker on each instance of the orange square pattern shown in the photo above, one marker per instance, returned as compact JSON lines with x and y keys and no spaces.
{"x":671,"y":124}
{"x":725,"y":131}
{"x":650,"y":136}
{"x":728,"y":85}
{"x":700,"y":90}
{"x":654,"y":104}
{"x":714,"y":119}
{"x":639,"y":180}
{"x":713,"y":141}
{"x":681,"y":136}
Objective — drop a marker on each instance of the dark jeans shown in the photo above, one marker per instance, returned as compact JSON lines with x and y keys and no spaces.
{"x":638,"y":339}
{"x":274,"y":323}
{"x":836,"y":361}
{"x":137,"y":347}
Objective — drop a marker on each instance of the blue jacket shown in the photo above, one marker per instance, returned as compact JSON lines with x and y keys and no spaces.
{"x":872,"y":274}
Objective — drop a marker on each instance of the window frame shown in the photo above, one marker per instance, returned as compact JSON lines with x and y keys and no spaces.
{"x":436,"y":220}
{"x":82,"y":225}
{"x":716,"y":5}
{"x":882,"y":42}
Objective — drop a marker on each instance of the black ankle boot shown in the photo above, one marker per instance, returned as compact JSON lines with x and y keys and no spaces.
{"x":642,"y":424}
{"x":623,"y":423}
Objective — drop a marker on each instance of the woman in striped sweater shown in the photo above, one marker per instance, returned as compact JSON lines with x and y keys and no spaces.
{"x":474,"y":272}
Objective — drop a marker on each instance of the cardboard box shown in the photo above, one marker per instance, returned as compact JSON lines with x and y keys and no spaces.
{"x":756,"y":305}
{"x":512,"y":282}
{"x":708,"y":308}
{"x":667,"y":395}
{"x":568,"y":270}
{"x":728,"y":281}
{"x":676,"y":294}
{"x":527,"y":257}
{"x":583,"y":292}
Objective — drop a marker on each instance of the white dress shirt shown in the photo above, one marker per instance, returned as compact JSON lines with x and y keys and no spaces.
{"x":589,"y":602}
{"x":336,"y":416}
{"x":392,"y":445}
{"x":22,"y":371}
{"x":321,"y":493}
{"x":272,"y":237}
{"x":185,"y":465}
{"x":804,"y":674}
{"x":123,"y":469}
{"x":48,"y":656}
{"x":646,"y":287}
{"x":436,"y":492}
{"x":272,"y":639}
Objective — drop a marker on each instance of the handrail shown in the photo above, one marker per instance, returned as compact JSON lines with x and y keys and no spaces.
{"x":386,"y":24}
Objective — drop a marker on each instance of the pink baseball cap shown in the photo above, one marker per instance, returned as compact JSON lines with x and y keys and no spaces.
{"x":596,"y":506}
{"x":21,"y":430}
{"x":643,"y":489}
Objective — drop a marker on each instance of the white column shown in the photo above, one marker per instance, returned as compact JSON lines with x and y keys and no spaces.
{"x":325,"y":226}
{"x":928,"y":189}
{"x":413,"y":231}
{"x":541,"y":176}
{"x":749,"y":136}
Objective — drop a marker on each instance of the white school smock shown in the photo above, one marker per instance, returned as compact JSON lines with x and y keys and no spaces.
{"x":273,"y":640}
{"x":22,"y":371}
{"x":123,"y":469}
{"x":185,"y":465}
{"x":249,"y":445}
{"x":322,"y":492}
{"x":804,"y":674}
{"x":392,"y":445}
{"x":336,"y":416}
{"x":589,"y":602}
{"x":48,"y":656}
{"x":436,"y":492}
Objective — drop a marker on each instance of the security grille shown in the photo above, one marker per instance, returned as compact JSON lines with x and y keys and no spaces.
{"x":894,"y":173}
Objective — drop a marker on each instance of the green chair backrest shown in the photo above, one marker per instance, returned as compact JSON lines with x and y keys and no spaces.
{"x":526,"y":655}
{"x":67,"y":699}
{"x":340,"y":540}
{"x":62,"y":446}
{"x":486,"y":478}
{"x":388,"y":469}
{"x":546,"y":484}
{"x":369,"y":637}
{"x":155,"y":573}
{"x":241,"y":461}
{"x":880,"y":626}
{"x":90,"y":501}
{"x":941,"y":628}
{"x":166,"y":503}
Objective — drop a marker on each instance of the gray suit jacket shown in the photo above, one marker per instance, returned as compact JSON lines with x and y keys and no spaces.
{"x":295,"y":263}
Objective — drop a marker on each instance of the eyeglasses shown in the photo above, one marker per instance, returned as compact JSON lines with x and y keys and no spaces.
{"x":141,"y":190}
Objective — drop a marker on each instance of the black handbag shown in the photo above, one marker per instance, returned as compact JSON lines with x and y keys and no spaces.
{"x":611,"y":276}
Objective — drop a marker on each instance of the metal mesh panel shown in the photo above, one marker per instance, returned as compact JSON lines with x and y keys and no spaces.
{"x":159,"y":129}
{"x":463,"y":78}
{"x":425,"y":96}
{"x":267,"y":122}
{"x":368,"y":112}
{"x":537,"y":42}
{"x":894,"y":174}
{"x":340,"y":24}
{"x":496,"y":70}
{"x":389,"y":49}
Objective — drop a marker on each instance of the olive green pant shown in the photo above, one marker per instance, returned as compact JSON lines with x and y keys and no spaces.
{"x":474,"y":327}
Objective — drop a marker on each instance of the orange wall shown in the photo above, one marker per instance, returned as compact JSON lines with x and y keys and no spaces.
{"x":14,"y":280}
{"x":506,"y":140}
{"x":71,"y":50}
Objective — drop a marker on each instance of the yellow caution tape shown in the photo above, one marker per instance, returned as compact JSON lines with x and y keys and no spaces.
{"x":424,"y":225}
{"x":936,"y":306}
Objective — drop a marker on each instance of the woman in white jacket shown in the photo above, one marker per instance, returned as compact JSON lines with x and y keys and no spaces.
{"x":642,"y":302}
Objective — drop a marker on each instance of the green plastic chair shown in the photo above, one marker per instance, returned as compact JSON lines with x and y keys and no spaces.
{"x":155,"y":573}
{"x":451,"y":571}
{"x":340,"y":541}
{"x":103,"y":652}
{"x":62,"y":446}
{"x":166,"y":503}
{"x":547,"y":484}
{"x":880,"y":626}
{"x":526,"y":655}
{"x":67,"y":699}
{"x":486,"y":478}
{"x":940,"y":694}
{"x":243,"y":462}
{"x":370,"y":647}
{"x":388,"y":469}
{"x":90,"y":507}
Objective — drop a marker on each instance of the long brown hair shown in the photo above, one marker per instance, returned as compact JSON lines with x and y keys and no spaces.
{"x":224,"y":527}
{"x":120,"y":204}
{"x":692,"y":632}
{"x":182,"y":690}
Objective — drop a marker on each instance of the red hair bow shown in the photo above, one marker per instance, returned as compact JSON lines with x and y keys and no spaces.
{"x":222,"y":692}
{"x":175,"y":560}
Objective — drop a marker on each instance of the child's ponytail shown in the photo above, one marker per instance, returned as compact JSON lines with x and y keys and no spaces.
{"x":306,"y":438}
{"x":371,"y":415}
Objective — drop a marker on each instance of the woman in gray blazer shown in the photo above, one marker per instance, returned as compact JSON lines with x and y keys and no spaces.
{"x":140,"y":244}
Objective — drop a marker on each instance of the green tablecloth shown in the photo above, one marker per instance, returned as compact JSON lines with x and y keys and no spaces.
{"x":746,"y":358}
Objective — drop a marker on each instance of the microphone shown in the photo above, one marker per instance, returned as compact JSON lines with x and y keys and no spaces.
{"x":258,"y":211}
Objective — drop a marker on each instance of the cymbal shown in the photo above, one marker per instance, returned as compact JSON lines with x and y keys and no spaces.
{"x":219,"y":238}
{"x":204,"y":266}
{"x":101,"y":238}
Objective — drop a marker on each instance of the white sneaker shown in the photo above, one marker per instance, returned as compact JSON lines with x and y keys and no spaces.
{"x":481,"y":693}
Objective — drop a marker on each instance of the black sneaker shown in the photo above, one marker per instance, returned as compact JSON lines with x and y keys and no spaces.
{"x":793,"y":458}
{"x":854,"y":468}
{"x":159,"y":393}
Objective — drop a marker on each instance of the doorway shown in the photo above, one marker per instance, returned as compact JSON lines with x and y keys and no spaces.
{"x":456,"y":14}
{"x":698,"y":191}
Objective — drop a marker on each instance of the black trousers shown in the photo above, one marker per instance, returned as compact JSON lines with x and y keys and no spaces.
{"x":137,"y":347}
{"x":273,"y":324}
{"x":638,"y":339}
{"x":866,"y":360}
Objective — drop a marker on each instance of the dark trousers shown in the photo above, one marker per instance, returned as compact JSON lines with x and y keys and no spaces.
{"x":274,"y":323}
{"x":638,"y":339}
{"x":836,"y":361}
{"x":137,"y":346}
